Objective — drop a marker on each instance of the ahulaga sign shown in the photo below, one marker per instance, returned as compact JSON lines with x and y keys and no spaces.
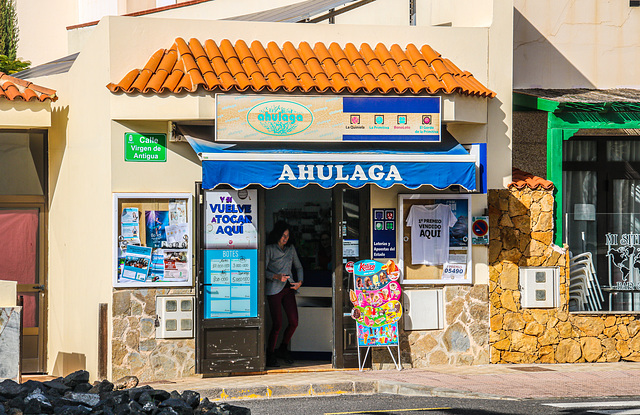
{"x":321,"y":118}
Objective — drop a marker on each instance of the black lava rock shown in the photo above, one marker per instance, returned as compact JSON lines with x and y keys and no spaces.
{"x":73,"y":395}
{"x":74,"y":379}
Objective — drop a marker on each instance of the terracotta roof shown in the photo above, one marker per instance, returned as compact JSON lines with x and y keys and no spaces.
{"x":523,"y":179}
{"x":15,"y":89}
{"x":187,"y":66}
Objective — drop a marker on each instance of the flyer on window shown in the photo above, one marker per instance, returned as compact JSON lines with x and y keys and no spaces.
{"x":156,"y":224}
{"x":130,"y":225}
{"x":176,"y":265}
{"x":177,"y":212}
{"x":156,"y":270}
{"x":177,"y":235}
{"x":137,"y":260}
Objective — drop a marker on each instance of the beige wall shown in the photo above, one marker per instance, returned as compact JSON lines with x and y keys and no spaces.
{"x":8,"y":293}
{"x":21,"y":114}
{"x":89,"y":122}
{"x":576,"y":44}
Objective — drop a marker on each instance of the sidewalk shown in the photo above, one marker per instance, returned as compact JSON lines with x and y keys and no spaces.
{"x":485,"y":381}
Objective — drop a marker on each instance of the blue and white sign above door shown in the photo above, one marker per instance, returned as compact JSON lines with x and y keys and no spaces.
{"x":327,"y":118}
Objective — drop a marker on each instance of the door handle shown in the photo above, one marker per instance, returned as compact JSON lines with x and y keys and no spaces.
{"x":38,"y":287}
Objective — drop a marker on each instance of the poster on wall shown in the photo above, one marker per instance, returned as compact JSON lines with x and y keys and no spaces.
{"x":231,"y":219}
{"x":156,"y":222}
{"x":376,"y":305}
{"x":136,"y":262}
{"x":231,"y":283}
{"x":384,"y":233}
{"x":152,"y":233}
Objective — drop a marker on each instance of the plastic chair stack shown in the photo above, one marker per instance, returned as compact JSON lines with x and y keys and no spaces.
{"x":583,"y":283}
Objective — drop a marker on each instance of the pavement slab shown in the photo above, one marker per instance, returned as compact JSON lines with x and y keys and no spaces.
{"x":483,"y":381}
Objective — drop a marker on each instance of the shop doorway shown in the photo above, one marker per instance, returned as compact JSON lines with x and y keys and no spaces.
{"x":330,"y":229}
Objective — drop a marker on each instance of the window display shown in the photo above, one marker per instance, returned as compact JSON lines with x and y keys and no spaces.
{"x":434,"y":233}
{"x":153,"y":240}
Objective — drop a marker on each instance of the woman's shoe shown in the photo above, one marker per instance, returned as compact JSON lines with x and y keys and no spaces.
{"x":272,"y":361}
{"x":284,"y":354}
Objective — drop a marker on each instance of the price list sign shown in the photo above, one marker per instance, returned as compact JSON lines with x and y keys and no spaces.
{"x":231,"y":283}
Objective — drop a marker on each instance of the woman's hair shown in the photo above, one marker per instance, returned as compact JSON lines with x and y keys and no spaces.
{"x":278,"y":229}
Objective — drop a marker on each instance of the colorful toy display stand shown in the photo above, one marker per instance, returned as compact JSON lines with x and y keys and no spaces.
{"x":376,"y":307}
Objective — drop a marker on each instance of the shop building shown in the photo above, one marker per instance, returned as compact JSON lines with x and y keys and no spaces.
{"x":140,"y":139}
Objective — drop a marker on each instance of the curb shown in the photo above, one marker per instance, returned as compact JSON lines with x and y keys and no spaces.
{"x":338,"y":388}
{"x":290,"y":391}
{"x":412,"y":389}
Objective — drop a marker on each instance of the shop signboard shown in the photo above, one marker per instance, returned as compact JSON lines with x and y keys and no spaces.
{"x":145,"y":147}
{"x":328,"y":174}
{"x":231,"y":283}
{"x":384,"y":233}
{"x":327,"y":118}
{"x":231,"y":219}
{"x":376,"y":305}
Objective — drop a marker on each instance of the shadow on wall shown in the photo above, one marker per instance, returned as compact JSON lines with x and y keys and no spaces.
{"x":537,"y":63}
{"x":68,"y":363}
{"x":57,"y":145}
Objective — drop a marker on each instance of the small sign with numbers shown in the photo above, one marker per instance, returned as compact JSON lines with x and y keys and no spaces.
{"x":454,"y":271}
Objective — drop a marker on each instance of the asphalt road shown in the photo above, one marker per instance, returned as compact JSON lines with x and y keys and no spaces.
{"x":385,"y":404}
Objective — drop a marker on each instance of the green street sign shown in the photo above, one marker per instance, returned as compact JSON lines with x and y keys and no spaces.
{"x":145,"y":147}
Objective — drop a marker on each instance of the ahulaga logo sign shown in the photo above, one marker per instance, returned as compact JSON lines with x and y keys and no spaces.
{"x":280,"y":118}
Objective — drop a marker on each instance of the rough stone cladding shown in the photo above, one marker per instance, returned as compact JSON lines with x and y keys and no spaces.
{"x":135,"y":349}
{"x":463,"y":341}
{"x":521,"y":234}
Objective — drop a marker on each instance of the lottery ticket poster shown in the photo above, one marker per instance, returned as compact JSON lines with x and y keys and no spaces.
{"x":231,"y":283}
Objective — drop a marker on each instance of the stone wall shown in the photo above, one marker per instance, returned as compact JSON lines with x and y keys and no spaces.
{"x":463,"y":341}
{"x":135,"y":349}
{"x":521,"y":234}
{"x":10,"y":342}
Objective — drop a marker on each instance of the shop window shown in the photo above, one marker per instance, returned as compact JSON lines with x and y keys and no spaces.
{"x":436,"y":246}
{"x":601,"y":212}
{"x":152,"y":240}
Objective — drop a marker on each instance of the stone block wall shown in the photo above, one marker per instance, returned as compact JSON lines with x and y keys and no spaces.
{"x":463,"y":341}
{"x":521,"y":235}
{"x":134,"y":347}
{"x":10,"y":342}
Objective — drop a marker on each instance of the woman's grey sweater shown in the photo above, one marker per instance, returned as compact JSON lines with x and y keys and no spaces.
{"x":280,"y":261}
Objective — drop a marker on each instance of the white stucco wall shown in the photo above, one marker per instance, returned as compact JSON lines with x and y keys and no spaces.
{"x":576,"y":44}
{"x":89,"y":122}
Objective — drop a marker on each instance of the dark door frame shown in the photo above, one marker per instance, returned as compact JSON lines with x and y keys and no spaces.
{"x":344,"y":354}
{"x":232,"y":327}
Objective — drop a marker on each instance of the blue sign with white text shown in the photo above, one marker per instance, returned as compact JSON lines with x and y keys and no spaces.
{"x":384,"y":233}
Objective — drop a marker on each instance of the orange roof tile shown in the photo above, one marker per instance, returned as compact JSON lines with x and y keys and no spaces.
{"x":188,"y":65}
{"x":522,"y":179}
{"x":15,"y":89}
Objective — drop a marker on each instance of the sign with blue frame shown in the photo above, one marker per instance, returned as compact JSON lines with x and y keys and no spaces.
{"x":327,"y":118}
{"x":384,"y":233}
{"x":231,"y":283}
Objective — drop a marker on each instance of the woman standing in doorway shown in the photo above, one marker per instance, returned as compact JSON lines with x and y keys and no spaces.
{"x":280,"y":289}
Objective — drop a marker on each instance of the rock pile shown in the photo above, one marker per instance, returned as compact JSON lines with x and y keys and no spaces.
{"x":74,"y":394}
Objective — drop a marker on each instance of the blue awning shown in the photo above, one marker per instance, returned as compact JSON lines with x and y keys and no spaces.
{"x":412,"y":165}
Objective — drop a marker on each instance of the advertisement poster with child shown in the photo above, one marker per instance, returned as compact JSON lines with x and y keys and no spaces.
{"x":376,"y":303}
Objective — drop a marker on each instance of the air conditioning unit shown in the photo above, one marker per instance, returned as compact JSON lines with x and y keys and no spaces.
{"x":175,"y":317}
{"x":539,"y":287}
